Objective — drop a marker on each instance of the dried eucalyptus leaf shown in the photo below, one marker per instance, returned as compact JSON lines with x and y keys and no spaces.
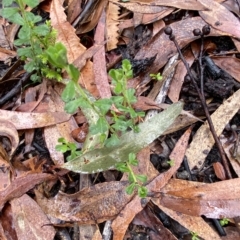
{"x":105,"y":158}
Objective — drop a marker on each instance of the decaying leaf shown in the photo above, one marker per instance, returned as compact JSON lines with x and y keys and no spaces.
{"x":66,"y":33}
{"x":7,"y":129}
{"x":21,"y":185}
{"x":105,"y":158}
{"x":6,"y":54}
{"x":99,"y":67}
{"x":148,"y":218}
{"x":91,"y":14}
{"x":229,"y":64}
{"x":176,"y":156}
{"x":194,"y":224}
{"x":142,"y":8}
{"x":112,"y":26}
{"x":91,"y":205}
{"x":178,"y":78}
{"x":122,"y":221}
{"x":33,"y":120}
{"x":228,"y":151}
{"x":215,"y":200}
{"x":219,"y":170}
{"x":220,"y":17}
{"x":29,"y":220}
{"x":203,"y":140}
{"x":184,"y":4}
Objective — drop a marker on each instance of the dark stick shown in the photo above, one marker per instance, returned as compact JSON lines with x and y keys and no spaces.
{"x":202,"y":99}
{"x":15,"y":90}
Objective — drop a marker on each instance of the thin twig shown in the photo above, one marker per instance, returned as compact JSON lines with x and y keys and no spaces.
{"x":203,"y":101}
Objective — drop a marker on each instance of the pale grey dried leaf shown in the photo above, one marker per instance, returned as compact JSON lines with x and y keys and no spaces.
{"x":99,"y":160}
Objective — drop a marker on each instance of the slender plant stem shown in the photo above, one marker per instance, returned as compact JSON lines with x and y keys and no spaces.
{"x":204,"y":105}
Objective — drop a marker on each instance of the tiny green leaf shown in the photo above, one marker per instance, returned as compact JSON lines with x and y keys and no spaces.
{"x":103,"y":104}
{"x":122,"y":167}
{"x":112,"y":141}
{"x":120,"y":125}
{"x":117,"y":100}
{"x":25,"y":52}
{"x":130,"y":188}
{"x":131,"y":157}
{"x":72,"y":106}
{"x":7,"y":3}
{"x":100,"y":127}
{"x":131,"y":177}
{"x":62,"y":140}
{"x":31,"y":3}
{"x":118,"y":88}
{"x":41,"y":30}
{"x":142,"y":191}
{"x":32,"y":18}
{"x":30,"y":66}
{"x":62,"y":148}
{"x":68,"y":92}
{"x":130,"y":95}
{"x":141,"y":178}
{"x":17,"y":18}
{"x":73,"y":72}
{"x":57,"y":55}
{"x":8,"y":12}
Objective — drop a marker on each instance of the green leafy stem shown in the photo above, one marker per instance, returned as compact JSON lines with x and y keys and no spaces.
{"x":135,"y":180}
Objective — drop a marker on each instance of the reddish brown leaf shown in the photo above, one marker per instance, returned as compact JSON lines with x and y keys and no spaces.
{"x":98,"y":203}
{"x":220,"y":18}
{"x":21,"y":185}
{"x":7,"y":129}
{"x":145,"y":103}
{"x":74,"y":9}
{"x":215,"y":200}
{"x":6,"y":227}
{"x":229,"y":64}
{"x":79,"y":134}
{"x":29,"y":220}
{"x":121,"y":222}
{"x":177,"y":157}
{"x":112,"y":23}
{"x":33,"y":120}
{"x":184,"y":4}
{"x":6,"y":55}
{"x":219,"y":170}
{"x":92,"y":16}
{"x":178,"y":78}
{"x":99,"y":60}
{"x":66,"y":33}
{"x":148,"y":219}
{"x":194,"y":224}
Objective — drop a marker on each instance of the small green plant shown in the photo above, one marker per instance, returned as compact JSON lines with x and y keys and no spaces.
{"x":65,"y":146}
{"x":74,"y":97}
{"x":195,"y":236}
{"x":171,"y":162}
{"x":156,"y":76}
{"x":224,"y":221}
{"x":123,"y":100}
{"x":33,"y":38}
{"x":135,"y":181}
